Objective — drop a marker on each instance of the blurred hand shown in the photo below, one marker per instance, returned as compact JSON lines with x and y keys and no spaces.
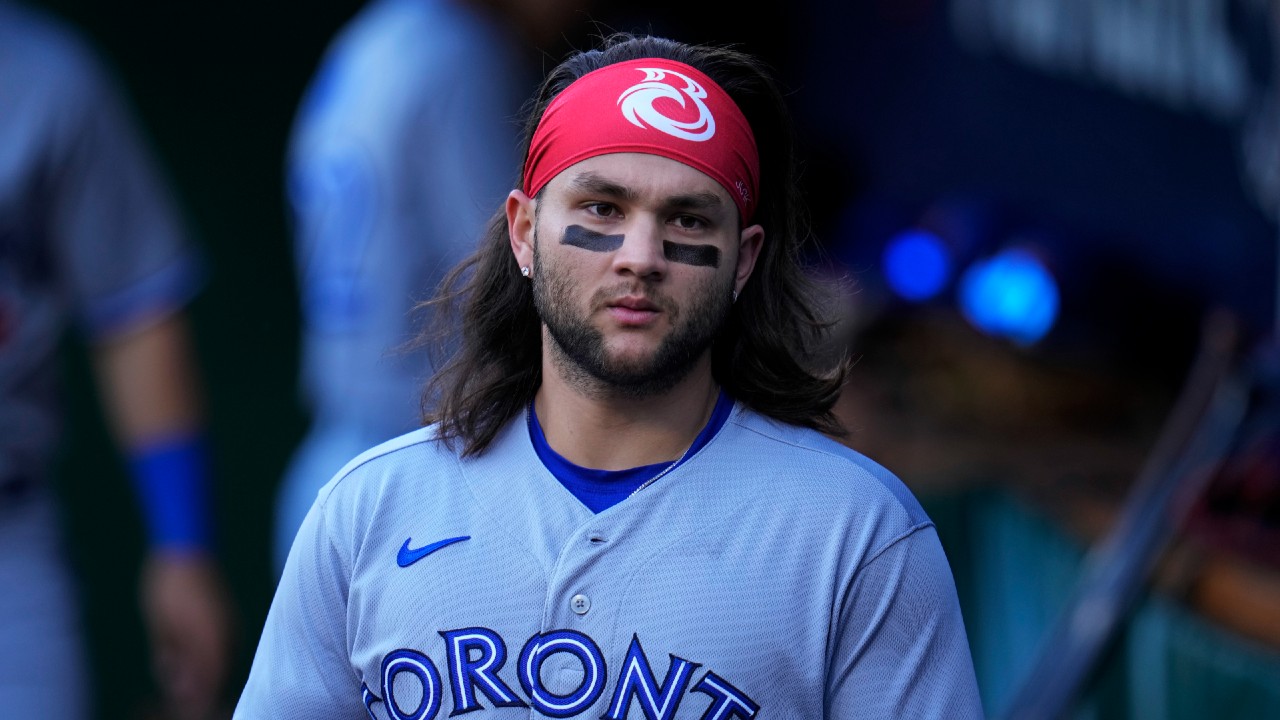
{"x":184,"y":604}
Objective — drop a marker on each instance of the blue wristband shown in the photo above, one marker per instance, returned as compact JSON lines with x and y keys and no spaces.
{"x":172,"y":482}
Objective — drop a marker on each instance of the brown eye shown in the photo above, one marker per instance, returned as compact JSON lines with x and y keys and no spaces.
{"x":689,"y":222}
{"x":602,"y":210}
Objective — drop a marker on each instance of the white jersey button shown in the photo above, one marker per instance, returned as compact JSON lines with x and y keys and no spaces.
{"x":580,"y":604}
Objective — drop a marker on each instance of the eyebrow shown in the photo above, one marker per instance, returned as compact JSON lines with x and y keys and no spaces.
{"x":594,"y":183}
{"x":590,"y":182}
{"x":696,"y":201}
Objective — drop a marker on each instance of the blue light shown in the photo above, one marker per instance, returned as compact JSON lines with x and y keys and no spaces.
{"x":1010,"y":295}
{"x":917,"y":265}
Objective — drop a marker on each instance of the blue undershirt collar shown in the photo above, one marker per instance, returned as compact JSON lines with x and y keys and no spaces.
{"x":600,"y":490}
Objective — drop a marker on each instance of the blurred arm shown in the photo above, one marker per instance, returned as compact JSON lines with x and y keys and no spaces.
{"x":151,"y":395}
{"x":148,"y":382}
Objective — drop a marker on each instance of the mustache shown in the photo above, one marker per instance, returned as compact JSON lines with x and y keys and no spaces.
{"x":638,"y":288}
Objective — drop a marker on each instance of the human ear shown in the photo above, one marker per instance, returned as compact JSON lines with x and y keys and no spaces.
{"x":749,"y":243}
{"x":520,"y":224}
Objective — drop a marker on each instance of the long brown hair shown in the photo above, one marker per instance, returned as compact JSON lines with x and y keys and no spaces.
{"x":762,"y":356}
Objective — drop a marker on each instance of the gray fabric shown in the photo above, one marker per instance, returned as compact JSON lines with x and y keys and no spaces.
{"x":796,"y":574}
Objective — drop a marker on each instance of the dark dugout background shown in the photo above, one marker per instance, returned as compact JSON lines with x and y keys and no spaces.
{"x":1141,"y":205}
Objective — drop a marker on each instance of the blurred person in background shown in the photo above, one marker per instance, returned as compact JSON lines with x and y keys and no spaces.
{"x":89,"y":233}
{"x":405,"y":140}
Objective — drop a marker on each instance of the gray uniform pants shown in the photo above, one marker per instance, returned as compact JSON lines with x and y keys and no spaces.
{"x":42,"y":660}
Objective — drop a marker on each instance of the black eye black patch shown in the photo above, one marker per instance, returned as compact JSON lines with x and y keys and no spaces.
{"x":700,"y":255}
{"x":580,"y":237}
{"x":703,"y":255}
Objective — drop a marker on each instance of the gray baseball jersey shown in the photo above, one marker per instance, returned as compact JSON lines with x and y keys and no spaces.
{"x":774,"y":574}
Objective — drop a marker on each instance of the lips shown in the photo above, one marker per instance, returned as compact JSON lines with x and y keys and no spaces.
{"x":632,"y":310}
{"x":634,"y":303}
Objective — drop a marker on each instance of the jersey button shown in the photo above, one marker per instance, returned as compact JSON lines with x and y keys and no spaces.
{"x":580,"y":604}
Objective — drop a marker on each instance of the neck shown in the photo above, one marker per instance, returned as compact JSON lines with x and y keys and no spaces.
{"x":616,"y":431}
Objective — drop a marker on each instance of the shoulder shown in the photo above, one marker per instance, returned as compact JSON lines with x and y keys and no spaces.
{"x":805,"y":464}
{"x":437,"y":39}
{"x":414,"y":454}
{"x":409,"y":480}
{"x":34,"y":33}
{"x":414,"y":468}
{"x":396,"y":55}
{"x":41,"y":52}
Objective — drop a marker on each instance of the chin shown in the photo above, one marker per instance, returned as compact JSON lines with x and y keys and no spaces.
{"x":632,"y":349}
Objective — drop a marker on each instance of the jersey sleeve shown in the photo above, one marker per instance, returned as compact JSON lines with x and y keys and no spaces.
{"x":123,"y":253}
{"x":900,"y":648}
{"x":301,"y":668}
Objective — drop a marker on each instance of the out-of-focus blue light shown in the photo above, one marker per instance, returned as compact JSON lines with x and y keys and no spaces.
{"x":1012,"y":295}
{"x":917,"y":265}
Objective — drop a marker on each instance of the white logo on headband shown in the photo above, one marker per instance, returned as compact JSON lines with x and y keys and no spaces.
{"x":637,"y":105}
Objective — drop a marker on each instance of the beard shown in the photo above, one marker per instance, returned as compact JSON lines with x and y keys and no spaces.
{"x":578,"y":348}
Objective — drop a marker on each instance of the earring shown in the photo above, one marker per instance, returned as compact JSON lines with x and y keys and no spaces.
{"x":525,"y":271}
{"x":735,"y":296}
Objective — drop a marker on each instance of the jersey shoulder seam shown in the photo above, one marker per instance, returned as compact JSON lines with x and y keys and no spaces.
{"x":390,"y":447}
{"x":862,"y":462}
{"x":900,"y":537}
{"x":841,"y":458}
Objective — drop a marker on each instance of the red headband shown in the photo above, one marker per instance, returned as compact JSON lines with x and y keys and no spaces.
{"x":653,"y":106}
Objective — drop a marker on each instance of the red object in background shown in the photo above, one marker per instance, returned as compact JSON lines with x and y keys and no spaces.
{"x":7,"y":321}
{"x":1239,"y":512}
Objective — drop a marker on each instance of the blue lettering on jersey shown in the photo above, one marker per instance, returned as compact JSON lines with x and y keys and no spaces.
{"x":728,"y":701}
{"x":542,"y":646}
{"x":476,"y":655}
{"x":658,"y":702}
{"x":369,"y":699}
{"x":427,"y":689}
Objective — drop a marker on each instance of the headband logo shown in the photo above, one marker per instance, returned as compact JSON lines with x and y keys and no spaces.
{"x":637,"y":103}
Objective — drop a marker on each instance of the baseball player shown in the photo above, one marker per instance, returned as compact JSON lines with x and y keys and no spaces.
{"x":624,"y":504}
{"x":406,"y":140}
{"x":89,"y":235}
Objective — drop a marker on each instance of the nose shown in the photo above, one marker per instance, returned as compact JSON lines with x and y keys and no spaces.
{"x":641,"y":253}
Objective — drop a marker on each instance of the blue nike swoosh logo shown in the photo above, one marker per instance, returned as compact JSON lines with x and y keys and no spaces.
{"x":407,"y":557}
